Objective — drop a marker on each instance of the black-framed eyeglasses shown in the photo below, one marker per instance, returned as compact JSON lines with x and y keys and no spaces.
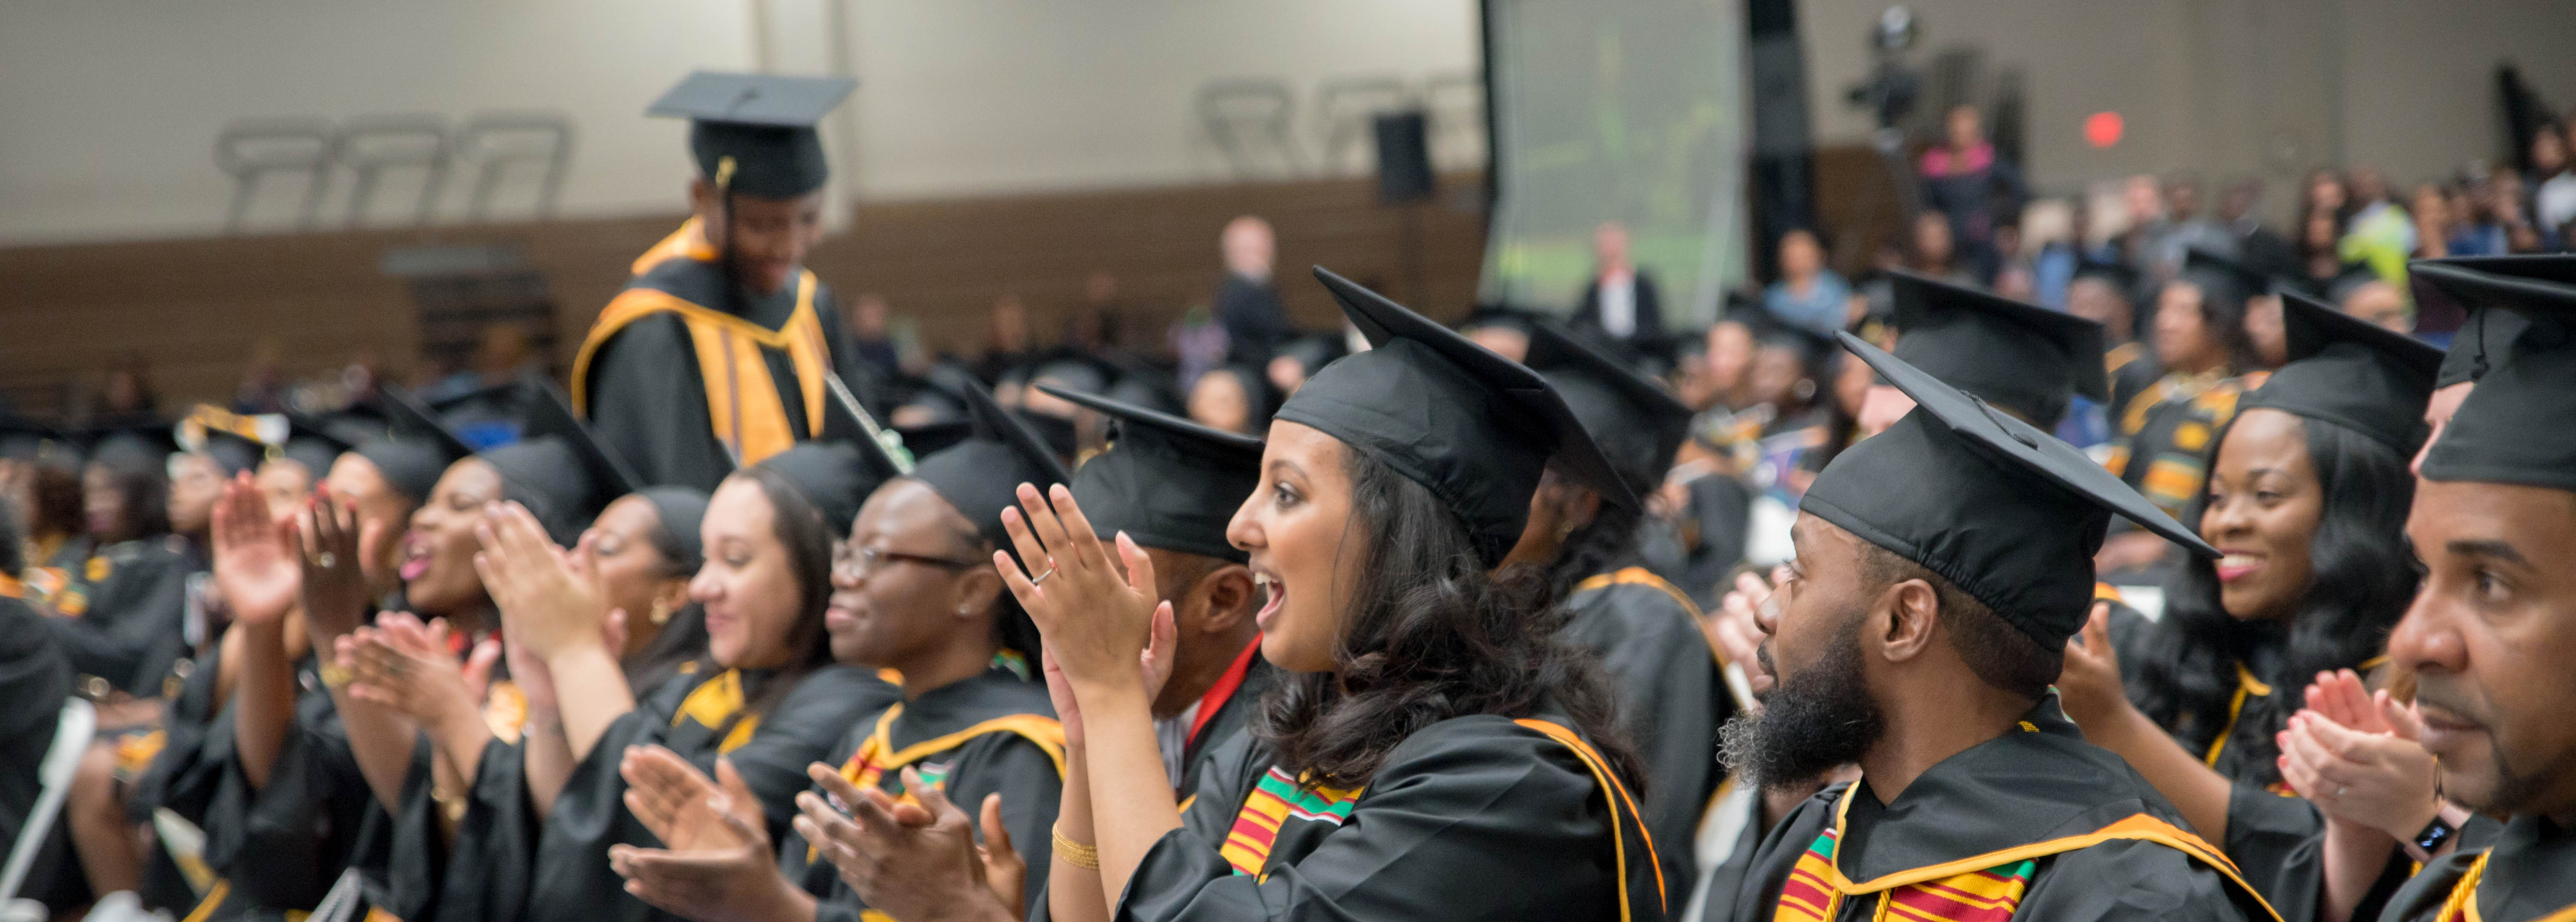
{"x":861,"y":562}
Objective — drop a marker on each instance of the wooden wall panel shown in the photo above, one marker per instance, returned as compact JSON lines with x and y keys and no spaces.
{"x":195,"y":309}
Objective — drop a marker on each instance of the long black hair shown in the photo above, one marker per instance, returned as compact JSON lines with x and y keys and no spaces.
{"x":2361,"y":580}
{"x":2222,"y":313}
{"x":1432,"y":637}
{"x":800,"y":529}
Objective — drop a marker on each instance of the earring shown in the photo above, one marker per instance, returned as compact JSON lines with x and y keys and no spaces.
{"x":962,"y":607}
{"x":661,"y":612}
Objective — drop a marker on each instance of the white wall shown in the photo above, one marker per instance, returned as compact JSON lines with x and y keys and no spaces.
{"x":112,"y":106}
{"x":2228,"y":87}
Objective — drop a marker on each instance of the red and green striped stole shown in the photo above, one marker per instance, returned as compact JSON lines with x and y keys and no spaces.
{"x":1275,"y":800}
{"x":1990,"y":895}
{"x":1981,"y":888}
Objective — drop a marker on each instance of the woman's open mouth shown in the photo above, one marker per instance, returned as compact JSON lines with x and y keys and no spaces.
{"x":1277,"y":593}
{"x":415,"y":558}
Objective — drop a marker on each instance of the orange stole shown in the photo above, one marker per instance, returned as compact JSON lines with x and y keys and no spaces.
{"x":743,"y":407}
{"x":1979,"y":888}
{"x":877,"y":754}
{"x":2462,"y":906}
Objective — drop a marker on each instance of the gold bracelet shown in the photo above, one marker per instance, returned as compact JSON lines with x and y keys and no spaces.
{"x":336,"y":676}
{"x":1076,"y":853}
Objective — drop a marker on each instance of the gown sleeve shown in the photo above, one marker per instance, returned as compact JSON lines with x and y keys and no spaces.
{"x":282,"y":846}
{"x":572,"y":875}
{"x":1673,"y":700}
{"x":1470,"y":818}
{"x":130,"y":634}
{"x":480,"y":873}
{"x":648,"y":404}
{"x":2277,"y":845}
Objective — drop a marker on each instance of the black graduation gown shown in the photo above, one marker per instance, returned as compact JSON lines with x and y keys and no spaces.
{"x":131,"y":633}
{"x":994,"y":733}
{"x":1471,"y":818}
{"x":281,"y":848}
{"x":2276,"y":837}
{"x":35,"y":680}
{"x":1671,"y":695}
{"x":2529,"y":873}
{"x":183,"y":777}
{"x":2038,"y":783}
{"x":568,"y":874}
{"x":647,"y":398}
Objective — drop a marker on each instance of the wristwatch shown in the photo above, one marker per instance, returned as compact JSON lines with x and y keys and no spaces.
{"x":2430,"y":840}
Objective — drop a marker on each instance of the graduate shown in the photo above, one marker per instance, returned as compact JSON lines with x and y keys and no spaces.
{"x":35,"y":680}
{"x":1942,"y":565}
{"x":2020,"y":358}
{"x":2306,"y":499}
{"x":2489,"y":637}
{"x":715,"y":354}
{"x":292,"y":770}
{"x":2209,"y":360}
{"x":526,"y":822}
{"x":914,"y":593}
{"x":1172,"y":484}
{"x":1672,"y":693}
{"x":1439,"y":753}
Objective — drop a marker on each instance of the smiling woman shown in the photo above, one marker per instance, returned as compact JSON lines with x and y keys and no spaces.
{"x":2306,"y":499}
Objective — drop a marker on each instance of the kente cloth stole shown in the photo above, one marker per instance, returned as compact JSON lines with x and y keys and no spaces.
{"x":715,"y":701}
{"x":1278,"y":798}
{"x":2462,"y":906}
{"x":878,"y":756}
{"x":743,"y":407}
{"x":1989,"y":895}
{"x":1979,"y":888}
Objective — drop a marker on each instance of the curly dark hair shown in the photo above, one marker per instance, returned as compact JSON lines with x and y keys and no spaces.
{"x":1598,"y":547}
{"x":2222,"y":311}
{"x":1433,"y":636}
{"x":2363,"y":577}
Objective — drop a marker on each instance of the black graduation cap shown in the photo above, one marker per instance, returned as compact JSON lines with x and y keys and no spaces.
{"x":1474,"y":428}
{"x":1075,"y":371}
{"x":2023,"y":357}
{"x":2120,"y":275}
{"x":928,"y":439}
{"x":1167,"y":482}
{"x":2352,"y":373}
{"x":232,"y":440}
{"x":2244,"y":280}
{"x":981,"y":474}
{"x":2352,"y":276}
{"x":2475,"y":283}
{"x":315,"y":443}
{"x":2002,"y":510}
{"x":2519,"y":425}
{"x":682,"y":510}
{"x":415,"y":449}
{"x":1635,"y":423}
{"x":837,"y":475}
{"x":489,"y":415}
{"x":132,"y":447}
{"x":25,"y":439}
{"x":1057,"y":432}
{"x":753,"y":134}
{"x":558,"y":470}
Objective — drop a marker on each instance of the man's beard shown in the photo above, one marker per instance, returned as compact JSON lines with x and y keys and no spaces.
{"x":1812,"y":723}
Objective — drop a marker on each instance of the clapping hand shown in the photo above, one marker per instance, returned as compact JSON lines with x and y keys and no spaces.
{"x":1097,"y":624}
{"x":2357,"y":756}
{"x":253,"y":568}
{"x":547,"y":604}
{"x":332,"y":545}
{"x":914,"y":860}
{"x":2089,"y":686}
{"x":1736,"y":629}
{"x":405,"y":665}
{"x":718,"y":863}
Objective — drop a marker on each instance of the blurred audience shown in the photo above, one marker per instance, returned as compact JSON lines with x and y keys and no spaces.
{"x":1622,"y":302}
